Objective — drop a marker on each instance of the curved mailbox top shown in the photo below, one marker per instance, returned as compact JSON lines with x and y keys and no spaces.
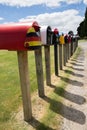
{"x":46,"y":35}
{"x":20,"y":36}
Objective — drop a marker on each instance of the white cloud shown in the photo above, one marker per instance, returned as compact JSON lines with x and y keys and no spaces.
{"x":85,"y":2}
{"x":64,"y":21}
{"x":73,"y":1}
{"x":1,"y":18}
{"x":49,"y":3}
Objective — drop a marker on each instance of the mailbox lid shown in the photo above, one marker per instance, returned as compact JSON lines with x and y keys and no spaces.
{"x":13,"y":36}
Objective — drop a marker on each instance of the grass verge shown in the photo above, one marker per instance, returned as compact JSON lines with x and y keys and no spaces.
{"x":10,"y":94}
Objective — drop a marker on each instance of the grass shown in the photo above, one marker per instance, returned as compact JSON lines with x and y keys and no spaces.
{"x":10,"y":93}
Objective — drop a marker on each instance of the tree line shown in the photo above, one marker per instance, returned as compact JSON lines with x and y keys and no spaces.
{"x":82,"y":29}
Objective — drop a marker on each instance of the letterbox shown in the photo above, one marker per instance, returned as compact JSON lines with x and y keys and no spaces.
{"x":46,"y":35}
{"x":20,"y":36}
{"x":55,"y":39}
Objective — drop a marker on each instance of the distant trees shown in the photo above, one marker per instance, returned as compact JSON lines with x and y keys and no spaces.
{"x":82,"y":29}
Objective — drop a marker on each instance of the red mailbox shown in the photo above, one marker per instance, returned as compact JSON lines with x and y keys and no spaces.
{"x":20,"y":36}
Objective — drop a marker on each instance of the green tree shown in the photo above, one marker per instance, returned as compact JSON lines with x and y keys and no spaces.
{"x":82,"y":29}
{"x":85,"y":23}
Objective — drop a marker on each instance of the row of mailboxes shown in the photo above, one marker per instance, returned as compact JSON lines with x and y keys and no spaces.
{"x":26,"y":36}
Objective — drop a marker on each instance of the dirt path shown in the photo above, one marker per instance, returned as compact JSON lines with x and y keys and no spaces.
{"x":75,"y":99}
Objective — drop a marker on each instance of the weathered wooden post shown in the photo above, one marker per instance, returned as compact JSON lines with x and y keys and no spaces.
{"x":61,"y":56}
{"x":56,"y":60}
{"x":25,"y":84}
{"x":64,"y":54}
{"x":46,"y":37}
{"x":56,"y":56}
{"x":62,"y":42}
{"x":69,"y":50}
{"x":47,"y":64}
{"x":71,"y":46}
{"x":39,"y":71}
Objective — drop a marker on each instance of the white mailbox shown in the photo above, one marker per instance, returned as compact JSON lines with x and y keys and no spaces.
{"x":46,"y":35}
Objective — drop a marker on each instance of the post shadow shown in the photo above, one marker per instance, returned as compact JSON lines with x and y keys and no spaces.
{"x":76,"y":60}
{"x":65,"y":111}
{"x":73,"y":82}
{"x":38,"y":125}
{"x":73,"y":73}
{"x":70,"y":96}
{"x":76,"y":64}
{"x":75,"y":68}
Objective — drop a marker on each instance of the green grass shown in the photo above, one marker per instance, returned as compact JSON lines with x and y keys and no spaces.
{"x":10,"y":92}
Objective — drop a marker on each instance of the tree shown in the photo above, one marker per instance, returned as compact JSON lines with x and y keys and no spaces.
{"x":82,"y":29}
{"x":85,"y":23}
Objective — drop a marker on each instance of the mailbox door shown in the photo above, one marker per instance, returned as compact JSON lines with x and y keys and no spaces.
{"x":55,"y":39}
{"x":49,"y":35}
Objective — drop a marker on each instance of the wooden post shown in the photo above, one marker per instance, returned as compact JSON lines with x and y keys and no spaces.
{"x":56,"y":59}
{"x":69,"y":50}
{"x":39,"y":71}
{"x":25,"y":84}
{"x":61,"y":56}
{"x":64,"y":54}
{"x":47,"y":64}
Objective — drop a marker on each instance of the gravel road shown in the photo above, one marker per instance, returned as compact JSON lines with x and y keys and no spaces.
{"x":75,"y":98}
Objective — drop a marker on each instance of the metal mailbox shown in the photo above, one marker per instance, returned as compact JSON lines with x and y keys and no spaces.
{"x":55,"y":39}
{"x":20,"y":36}
{"x":46,"y":35}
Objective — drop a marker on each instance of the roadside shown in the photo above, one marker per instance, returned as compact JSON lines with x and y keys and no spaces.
{"x":75,"y":97}
{"x":47,"y":111}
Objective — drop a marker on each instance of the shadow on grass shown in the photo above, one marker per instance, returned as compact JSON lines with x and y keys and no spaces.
{"x":72,"y":73}
{"x":75,"y":68}
{"x":73,"y":82}
{"x":70,"y":96}
{"x":76,"y":60}
{"x":65,"y":111}
{"x":76,"y":64}
{"x":38,"y":125}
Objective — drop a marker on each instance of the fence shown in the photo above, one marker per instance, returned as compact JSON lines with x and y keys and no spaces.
{"x":61,"y":57}
{"x":29,"y":39}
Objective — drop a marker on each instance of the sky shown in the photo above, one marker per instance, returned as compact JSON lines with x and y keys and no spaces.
{"x":65,"y":15}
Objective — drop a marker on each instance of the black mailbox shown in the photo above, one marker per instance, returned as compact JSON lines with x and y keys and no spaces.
{"x":55,"y":39}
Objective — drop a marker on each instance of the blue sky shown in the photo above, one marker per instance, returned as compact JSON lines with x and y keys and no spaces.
{"x":63,"y":14}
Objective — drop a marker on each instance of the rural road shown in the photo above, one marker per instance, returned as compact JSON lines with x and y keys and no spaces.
{"x":75,"y":98}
